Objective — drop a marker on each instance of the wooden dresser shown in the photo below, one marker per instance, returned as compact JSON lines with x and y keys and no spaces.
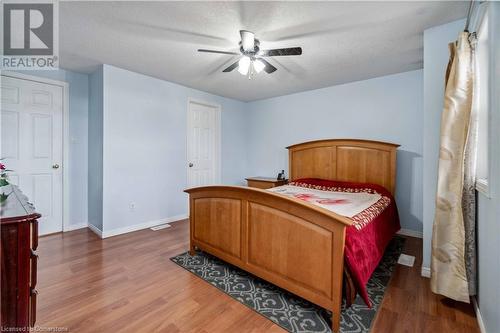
{"x":264,"y":182}
{"x":19,"y":229}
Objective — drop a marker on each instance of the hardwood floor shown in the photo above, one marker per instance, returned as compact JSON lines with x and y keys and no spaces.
{"x":128,"y":284}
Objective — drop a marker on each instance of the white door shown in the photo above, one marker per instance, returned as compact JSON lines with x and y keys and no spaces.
{"x":203,"y":144}
{"x":32,"y":145}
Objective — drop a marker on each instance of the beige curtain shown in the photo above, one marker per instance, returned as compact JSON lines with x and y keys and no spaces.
{"x":448,"y":264}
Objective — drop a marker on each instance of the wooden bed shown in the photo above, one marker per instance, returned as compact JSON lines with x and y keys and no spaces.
{"x":291,"y":243}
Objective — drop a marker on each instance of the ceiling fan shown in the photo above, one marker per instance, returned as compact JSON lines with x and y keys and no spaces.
{"x":252,"y":57}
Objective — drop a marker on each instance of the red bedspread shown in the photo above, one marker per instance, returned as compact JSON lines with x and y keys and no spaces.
{"x":364,"y":248}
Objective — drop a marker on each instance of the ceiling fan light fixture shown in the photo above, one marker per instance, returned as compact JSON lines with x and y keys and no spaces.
{"x":244,"y":65}
{"x":258,"y":65}
{"x":252,"y":59}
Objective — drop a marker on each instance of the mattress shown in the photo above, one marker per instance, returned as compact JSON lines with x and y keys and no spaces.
{"x":373,"y":211}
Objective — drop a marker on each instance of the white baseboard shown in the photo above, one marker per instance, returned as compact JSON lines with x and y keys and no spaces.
{"x":97,"y":231}
{"x":72,"y":227}
{"x":140,"y":226}
{"x":411,"y":233}
{"x":425,"y":272}
{"x":479,"y":318}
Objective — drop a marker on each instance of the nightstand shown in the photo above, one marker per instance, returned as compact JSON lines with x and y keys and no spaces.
{"x":265,"y":182}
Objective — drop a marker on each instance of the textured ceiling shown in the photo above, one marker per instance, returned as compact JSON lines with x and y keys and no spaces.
{"x":341,"y":41}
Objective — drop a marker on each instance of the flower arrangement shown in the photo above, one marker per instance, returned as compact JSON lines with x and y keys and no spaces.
{"x":3,"y":182}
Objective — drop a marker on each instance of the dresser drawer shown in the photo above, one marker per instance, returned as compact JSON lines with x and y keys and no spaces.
{"x":34,"y":235}
{"x":32,"y":310}
{"x":265,"y":183}
{"x":34,"y":268}
{"x":258,"y":184}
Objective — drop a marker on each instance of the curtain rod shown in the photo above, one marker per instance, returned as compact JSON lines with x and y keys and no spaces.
{"x":469,"y":14}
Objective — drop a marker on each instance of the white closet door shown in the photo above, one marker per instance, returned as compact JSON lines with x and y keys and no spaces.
{"x":32,"y":145}
{"x":203,"y":144}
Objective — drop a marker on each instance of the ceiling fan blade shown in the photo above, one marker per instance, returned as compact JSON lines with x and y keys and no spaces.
{"x":282,"y":52}
{"x":247,"y":40}
{"x":269,"y":68}
{"x":220,"y":52}
{"x":230,"y":68}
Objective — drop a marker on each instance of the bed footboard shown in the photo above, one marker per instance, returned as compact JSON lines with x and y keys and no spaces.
{"x":290,"y":243}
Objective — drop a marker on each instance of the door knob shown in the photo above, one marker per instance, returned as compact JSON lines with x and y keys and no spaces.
{"x":55,"y":166}
{"x":190,"y":165}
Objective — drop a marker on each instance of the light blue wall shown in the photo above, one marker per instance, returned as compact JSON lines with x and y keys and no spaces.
{"x":78,"y":116}
{"x":144,"y":144}
{"x":489,"y":208}
{"x":436,"y":57}
{"x":95,"y":140}
{"x":388,"y":108}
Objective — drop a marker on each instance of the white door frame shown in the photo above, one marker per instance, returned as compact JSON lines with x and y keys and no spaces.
{"x":218,"y":142}
{"x":65,"y":96}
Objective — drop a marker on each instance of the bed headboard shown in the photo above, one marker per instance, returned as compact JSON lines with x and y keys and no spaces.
{"x":349,"y":160}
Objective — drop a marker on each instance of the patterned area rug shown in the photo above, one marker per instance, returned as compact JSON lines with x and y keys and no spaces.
{"x":289,"y":311}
